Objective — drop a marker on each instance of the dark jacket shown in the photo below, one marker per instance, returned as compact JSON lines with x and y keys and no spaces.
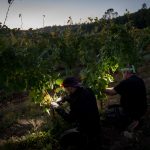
{"x":133,"y":96}
{"x":84,"y":110}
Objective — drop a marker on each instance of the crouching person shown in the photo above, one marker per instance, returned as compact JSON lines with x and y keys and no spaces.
{"x":133,"y":101}
{"x":84,"y":112}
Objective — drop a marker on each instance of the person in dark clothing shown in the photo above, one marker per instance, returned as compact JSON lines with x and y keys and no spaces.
{"x":133,"y":101}
{"x":83,"y":111}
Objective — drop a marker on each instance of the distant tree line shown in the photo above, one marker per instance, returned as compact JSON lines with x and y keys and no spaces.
{"x":139,"y":19}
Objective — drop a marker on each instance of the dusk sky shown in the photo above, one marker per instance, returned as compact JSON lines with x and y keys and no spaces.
{"x":57,"y":11}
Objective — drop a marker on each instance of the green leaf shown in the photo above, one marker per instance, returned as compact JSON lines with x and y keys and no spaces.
{"x":58,"y":81}
{"x":47,"y":110}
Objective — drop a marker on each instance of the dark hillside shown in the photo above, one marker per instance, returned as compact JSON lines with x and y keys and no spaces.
{"x":139,"y":19}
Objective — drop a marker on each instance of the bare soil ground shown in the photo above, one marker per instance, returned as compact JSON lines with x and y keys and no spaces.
{"x":20,"y":117}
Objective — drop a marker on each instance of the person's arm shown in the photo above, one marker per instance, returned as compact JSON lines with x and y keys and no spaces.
{"x":60,"y":110}
{"x":110,"y":91}
{"x":62,"y":99}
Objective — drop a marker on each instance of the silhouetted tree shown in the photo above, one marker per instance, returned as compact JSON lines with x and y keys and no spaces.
{"x":144,"y":6}
{"x":20,"y":16}
{"x":110,"y":14}
{"x":43,"y":21}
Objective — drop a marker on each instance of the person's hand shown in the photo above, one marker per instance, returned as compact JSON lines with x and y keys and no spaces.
{"x":54,"y":105}
{"x":110,"y":91}
{"x":59,"y":100}
{"x":128,"y":134}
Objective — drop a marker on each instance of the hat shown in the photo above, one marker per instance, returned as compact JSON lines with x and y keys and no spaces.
{"x":130,"y":69}
{"x":71,"y":82}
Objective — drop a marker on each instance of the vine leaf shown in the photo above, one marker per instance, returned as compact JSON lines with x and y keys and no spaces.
{"x":59,"y":81}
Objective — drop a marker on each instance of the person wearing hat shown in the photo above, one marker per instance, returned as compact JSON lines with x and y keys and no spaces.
{"x":133,"y":101}
{"x":83,"y":111}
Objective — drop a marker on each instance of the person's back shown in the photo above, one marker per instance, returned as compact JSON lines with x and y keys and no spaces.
{"x":133,"y":96}
{"x":84,"y":113}
{"x":133,"y":101}
{"x":84,"y":109}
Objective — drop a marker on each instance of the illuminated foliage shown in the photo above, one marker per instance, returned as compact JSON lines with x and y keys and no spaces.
{"x":33,"y":61}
